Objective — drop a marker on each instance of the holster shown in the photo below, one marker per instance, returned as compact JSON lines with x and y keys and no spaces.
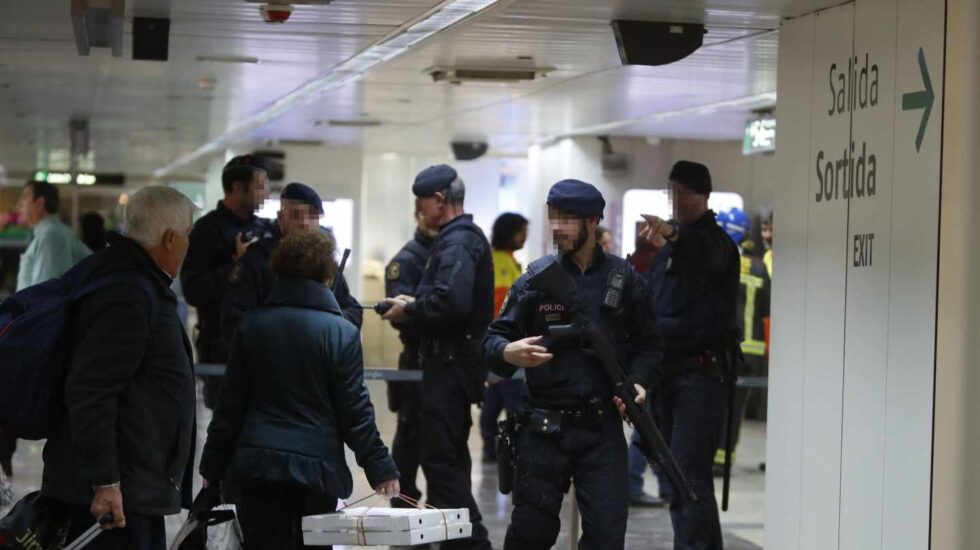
{"x":506,"y":446}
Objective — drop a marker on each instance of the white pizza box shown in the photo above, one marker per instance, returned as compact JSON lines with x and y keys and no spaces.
{"x":389,"y":538}
{"x":384,"y":519}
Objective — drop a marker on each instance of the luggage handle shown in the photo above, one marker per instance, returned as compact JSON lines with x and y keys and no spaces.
{"x":90,"y":533}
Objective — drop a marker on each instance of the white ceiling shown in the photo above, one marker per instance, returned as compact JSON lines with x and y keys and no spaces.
{"x":144,"y":114}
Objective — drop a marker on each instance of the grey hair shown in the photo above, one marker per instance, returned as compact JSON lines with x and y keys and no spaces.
{"x":151,"y":211}
{"x":456,"y":192}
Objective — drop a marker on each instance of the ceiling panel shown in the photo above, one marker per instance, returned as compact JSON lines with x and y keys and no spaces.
{"x":144,"y":114}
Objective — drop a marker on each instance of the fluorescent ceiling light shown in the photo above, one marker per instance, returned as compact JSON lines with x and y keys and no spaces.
{"x":756,"y":101}
{"x":228,"y":58}
{"x":437,"y":19}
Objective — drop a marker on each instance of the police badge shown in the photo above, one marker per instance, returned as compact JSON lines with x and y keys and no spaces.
{"x":394,"y":271}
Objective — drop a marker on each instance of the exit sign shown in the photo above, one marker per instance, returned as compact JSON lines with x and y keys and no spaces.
{"x":760,"y":136}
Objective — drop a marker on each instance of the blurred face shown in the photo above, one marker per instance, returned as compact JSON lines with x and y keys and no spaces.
{"x":432,"y":209}
{"x":257,"y":192}
{"x":570,"y":232}
{"x":606,"y":242}
{"x":520,"y":238}
{"x":297,"y":216}
{"x":687,"y":206}
{"x":767,"y":234}
{"x":421,"y":223}
{"x":31,"y":209}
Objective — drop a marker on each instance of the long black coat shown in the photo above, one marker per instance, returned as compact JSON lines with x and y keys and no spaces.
{"x":293,"y":395}
{"x":129,"y":393}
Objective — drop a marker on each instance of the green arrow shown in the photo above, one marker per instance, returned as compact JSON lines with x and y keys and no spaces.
{"x":920,"y":100}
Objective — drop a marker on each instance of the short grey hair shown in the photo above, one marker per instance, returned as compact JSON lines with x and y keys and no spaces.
{"x":151,"y":211}
{"x":456,"y":192}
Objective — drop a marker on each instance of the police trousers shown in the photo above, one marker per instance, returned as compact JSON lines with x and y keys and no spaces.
{"x":450,"y":387}
{"x":689,"y":405}
{"x":405,"y":398}
{"x":594,"y":457}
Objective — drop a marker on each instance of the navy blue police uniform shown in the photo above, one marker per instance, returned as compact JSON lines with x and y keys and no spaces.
{"x":695,"y":306}
{"x":251,"y":280}
{"x":571,"y":430}
{"x":402,"y":276}
{"x":452,"y":308}
{"x":204,"y":280}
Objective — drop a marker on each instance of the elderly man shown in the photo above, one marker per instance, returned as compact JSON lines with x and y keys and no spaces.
{"x":127,"y":444}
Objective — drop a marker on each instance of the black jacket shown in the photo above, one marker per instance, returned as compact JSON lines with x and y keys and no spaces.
{"x":250,"y":283}
{"x":204,"y":275}
{"x":402,"y":276}
{"x":293,"y":395}
{"x":696,"y":281}
{"x":129,"y":393}
{"x":572,"y":377}
{"x":455,"y":297}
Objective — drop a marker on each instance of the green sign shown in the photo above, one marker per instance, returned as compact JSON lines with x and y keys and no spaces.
{"x":760,"y":136}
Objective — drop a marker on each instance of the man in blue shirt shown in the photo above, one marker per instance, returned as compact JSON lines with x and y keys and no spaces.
{"x":54,"y":248}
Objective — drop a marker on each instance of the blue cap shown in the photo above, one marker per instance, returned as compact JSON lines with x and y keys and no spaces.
{"x":577,"y":198}
{"x":304,"y":194}
{"x":735,"y":222}
{"x":433,"y":180}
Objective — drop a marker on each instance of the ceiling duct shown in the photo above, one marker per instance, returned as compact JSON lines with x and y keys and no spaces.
{"x":98,"y":24}
{"x":458,"y":75}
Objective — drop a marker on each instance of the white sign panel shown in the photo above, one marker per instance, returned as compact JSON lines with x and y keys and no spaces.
{"x":863,"y":406}
{"x":825,"y":279}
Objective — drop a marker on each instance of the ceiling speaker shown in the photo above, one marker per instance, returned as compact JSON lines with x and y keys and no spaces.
{"x":468,"y":150}
{"x":656,"y":43}
{"x":151,"y":38}
{"x":274,"y":163}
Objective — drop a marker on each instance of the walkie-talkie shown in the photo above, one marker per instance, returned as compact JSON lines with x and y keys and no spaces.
{"x":380,"y":308}
{"x":614,"y":290}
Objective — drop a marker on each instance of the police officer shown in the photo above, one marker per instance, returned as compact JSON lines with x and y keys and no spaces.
{"x":695,"y":309}
{"x":451,"y":308}
{"x":217,"y":240}
{"x":251,"y":279}
{"x":402,"y":277}
{"x":571,"y":430}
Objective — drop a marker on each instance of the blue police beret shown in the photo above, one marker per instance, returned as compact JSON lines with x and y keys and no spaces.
{"x":432,"y":180}
{"x":694,"y":175}
{"x":304,"y":194}
{"x":577,"y":198}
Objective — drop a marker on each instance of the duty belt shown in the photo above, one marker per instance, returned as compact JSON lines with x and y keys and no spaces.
{"x":448,"y":348}
{"x":548,"y":420}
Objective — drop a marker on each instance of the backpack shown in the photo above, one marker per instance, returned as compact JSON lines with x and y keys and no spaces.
{"x":35,"y":337}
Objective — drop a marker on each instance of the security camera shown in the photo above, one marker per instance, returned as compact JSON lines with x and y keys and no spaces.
{"x":275,"y":13}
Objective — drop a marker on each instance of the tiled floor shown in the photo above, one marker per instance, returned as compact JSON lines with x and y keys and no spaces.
{"x":648,"y":528}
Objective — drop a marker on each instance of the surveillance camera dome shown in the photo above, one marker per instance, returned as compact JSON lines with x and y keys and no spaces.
{"x":275,"y":13}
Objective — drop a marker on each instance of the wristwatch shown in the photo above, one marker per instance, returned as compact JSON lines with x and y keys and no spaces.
{"x":676,"y":227}
{"x":115,"y":485}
